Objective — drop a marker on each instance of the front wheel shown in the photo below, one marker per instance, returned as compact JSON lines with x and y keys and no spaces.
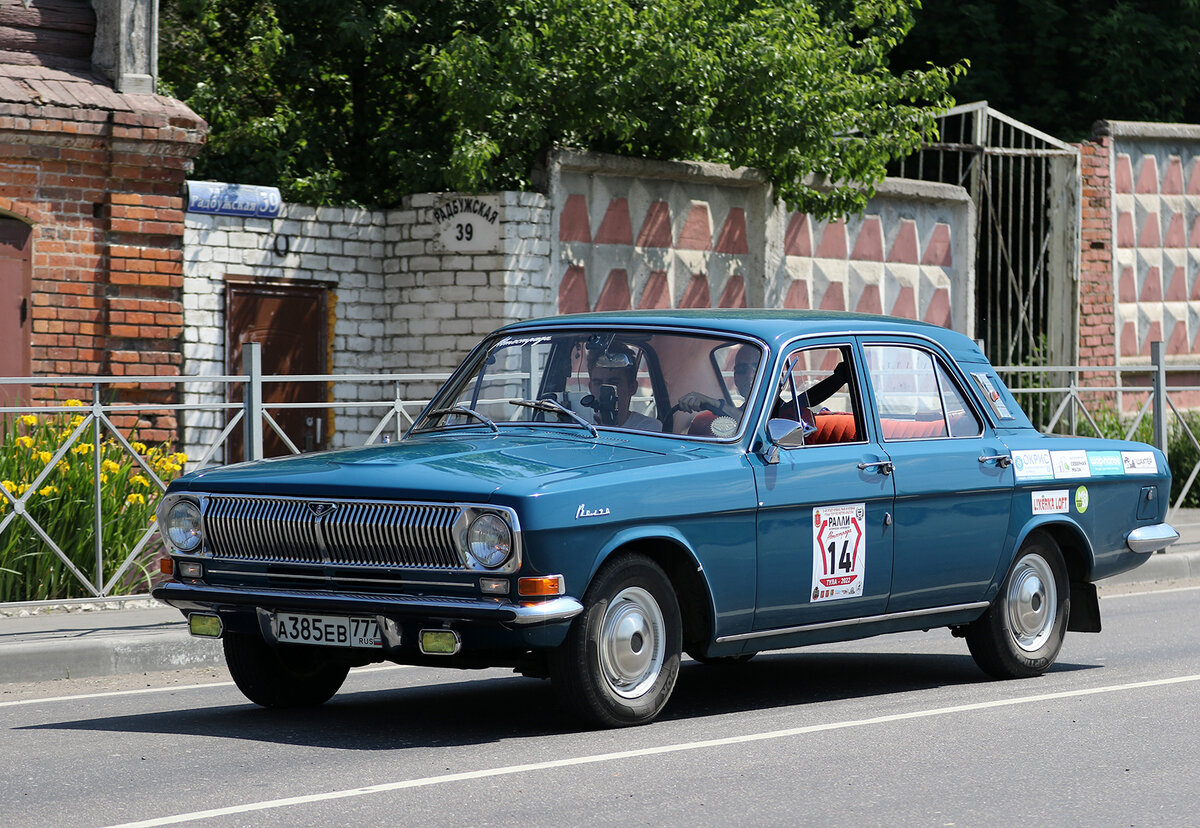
{"x":1023,"y":630}
{"x":278,"y":677}
{"x":619,"y":662}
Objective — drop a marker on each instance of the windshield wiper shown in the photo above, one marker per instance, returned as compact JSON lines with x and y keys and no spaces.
{"x":462,"y":409}
{"x":555,"y":407}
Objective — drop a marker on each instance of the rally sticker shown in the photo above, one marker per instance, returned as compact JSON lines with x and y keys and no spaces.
{"x":1105,"y":463}
{"x":1068,"y":464}
{"x":1139,"y":462}
{"x":1032,"y":464}
{"x":1057,"y":502}
{"x":1081,"y":499}
{"x":839,"y":551}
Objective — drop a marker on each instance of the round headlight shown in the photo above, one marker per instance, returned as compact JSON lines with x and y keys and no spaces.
{"x":182,"y":525}
{"x":489,"y":541}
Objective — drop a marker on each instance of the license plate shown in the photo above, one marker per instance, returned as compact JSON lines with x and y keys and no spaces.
{"x":327,"y":630}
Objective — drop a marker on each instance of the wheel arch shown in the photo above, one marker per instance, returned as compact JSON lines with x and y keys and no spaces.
{"x":678,"y":560}
{"x":1071,"y":541}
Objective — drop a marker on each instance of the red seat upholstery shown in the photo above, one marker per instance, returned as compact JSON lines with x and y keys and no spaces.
{"x":912,"y":429}
{"x":833,"y":427}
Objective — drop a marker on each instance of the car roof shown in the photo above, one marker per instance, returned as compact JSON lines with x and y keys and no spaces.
{"x":774,"y":326}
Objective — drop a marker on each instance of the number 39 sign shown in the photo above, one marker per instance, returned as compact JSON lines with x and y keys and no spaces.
{"x":839,"y":551}
{"x":468,"y":224}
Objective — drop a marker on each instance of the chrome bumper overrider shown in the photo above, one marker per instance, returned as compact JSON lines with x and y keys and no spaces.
{"x":1146,"y":539}
{"x":483,"y":610}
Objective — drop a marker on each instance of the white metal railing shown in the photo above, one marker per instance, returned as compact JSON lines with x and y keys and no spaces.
{"x":1070,"y":396}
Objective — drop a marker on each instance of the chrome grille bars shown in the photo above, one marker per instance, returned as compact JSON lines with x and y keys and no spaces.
{"x":297,"y":530}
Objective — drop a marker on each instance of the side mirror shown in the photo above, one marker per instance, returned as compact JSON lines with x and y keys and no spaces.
{"x":784,"y":433}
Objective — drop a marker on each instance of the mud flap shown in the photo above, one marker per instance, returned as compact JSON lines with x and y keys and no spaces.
{"x":1085,"y":608}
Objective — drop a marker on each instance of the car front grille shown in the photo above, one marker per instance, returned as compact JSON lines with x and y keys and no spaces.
{"x":348,"y":533}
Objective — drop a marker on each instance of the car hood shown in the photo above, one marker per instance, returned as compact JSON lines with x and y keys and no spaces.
{"x":421,"y":468}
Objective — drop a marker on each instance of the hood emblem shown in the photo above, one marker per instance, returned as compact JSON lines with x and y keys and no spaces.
{"x":584,"y":512}
{"x":320,"y":509}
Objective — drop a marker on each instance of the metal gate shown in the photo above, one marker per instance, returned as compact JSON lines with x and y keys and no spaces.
{"x":1026,"y":189}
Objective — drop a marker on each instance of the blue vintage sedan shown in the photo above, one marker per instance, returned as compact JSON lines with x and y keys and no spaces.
{"x":590,"y":497}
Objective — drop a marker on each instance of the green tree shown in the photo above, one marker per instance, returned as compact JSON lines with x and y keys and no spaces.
{"x":368,"y":100}
{"x":1060,"y":65}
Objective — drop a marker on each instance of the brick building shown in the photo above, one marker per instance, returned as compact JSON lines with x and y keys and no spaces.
{"x":92,"y":166}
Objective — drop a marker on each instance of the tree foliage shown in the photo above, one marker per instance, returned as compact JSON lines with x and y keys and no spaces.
{"x":1060,"y":65}
{"x":367,"y":100}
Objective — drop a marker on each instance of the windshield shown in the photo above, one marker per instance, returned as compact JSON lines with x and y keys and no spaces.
{"x":668,"y":382}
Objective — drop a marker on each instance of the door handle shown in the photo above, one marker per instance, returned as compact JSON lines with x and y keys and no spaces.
{"x":1001,"y":460}
{"x":884,"y":466}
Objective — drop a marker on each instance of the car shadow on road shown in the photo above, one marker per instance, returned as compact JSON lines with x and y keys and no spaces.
{"x":475,"y":710}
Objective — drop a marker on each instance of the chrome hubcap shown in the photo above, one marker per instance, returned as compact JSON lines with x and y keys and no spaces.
{"x":631,"y":642}
{"x":1032,"y":602}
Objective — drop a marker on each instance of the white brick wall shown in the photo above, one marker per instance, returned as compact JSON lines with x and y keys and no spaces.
{"x":400,"y":304}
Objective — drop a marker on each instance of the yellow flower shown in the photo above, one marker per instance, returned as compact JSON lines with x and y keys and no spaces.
{"x":64,"y":467}
{"x":82,"y":448}
{"x":103,"y":477}
{"x":26,"y":442}
{"x":8,"y":484}
{"x":20,"y":489}
{"x":179,"y":457}
{"x":44,"y":456}
{"x":137,"y":498}
{"x":140,"y":448}
{"x":48,"y":490}
{"x":140,"y":480}
{"x":76,"y":421}
{"x":73,"y":404}
{"x":29,"y":419}
{"x":109,"y":466}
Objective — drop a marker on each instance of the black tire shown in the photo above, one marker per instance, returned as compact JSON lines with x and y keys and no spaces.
{"x":1023,"y":630}
{"x":620,"y":660}
{"x":274,"y":677}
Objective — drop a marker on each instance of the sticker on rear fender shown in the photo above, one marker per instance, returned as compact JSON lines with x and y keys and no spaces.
{"x":1056,"y":502}
{"x":839,"y":551}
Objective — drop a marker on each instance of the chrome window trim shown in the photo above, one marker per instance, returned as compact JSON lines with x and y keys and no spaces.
{"x":786,"y":352}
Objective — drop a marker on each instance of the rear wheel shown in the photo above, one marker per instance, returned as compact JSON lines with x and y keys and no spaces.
{"x":278,"y":677}
{"x":1023,"y":630}
{"x":620,"y":660}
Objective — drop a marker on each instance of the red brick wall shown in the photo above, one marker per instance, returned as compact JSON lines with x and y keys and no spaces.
{"x":103,"y":192}
{"x":1097,"y":323}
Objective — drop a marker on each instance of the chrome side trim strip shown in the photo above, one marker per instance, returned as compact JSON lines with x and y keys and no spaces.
{"x":851,"y":622}
{"x":1147,"y":539}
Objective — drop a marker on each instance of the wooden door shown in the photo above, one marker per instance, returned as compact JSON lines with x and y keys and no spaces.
{"x":16,"y":303}
{"x":290,"y":322}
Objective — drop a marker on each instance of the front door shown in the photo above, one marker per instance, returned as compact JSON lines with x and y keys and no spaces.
{"x":290,"y":322}
{"x":824,"y":543}
{"x":15,"y":308}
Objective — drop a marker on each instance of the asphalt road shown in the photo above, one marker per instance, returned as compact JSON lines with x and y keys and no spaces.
{"x":899,"y":730}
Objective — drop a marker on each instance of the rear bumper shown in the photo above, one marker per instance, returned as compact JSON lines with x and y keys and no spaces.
{"x":198,"y":597}
{"x":1147,"y":539}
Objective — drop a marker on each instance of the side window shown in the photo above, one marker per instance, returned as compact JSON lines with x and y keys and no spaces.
{"x":817,"y":388}
{"x":915,"y":396}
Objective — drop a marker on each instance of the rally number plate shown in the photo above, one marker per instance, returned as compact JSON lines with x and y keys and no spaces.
{"x":327,"y":630}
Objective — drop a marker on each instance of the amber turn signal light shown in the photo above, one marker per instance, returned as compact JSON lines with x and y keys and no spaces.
{"x":541,"y":585}
{"x":166,"y":566}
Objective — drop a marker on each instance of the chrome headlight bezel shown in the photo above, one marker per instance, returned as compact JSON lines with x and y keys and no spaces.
{"x":181,"y":524}
{"x":489,"y":541}
{"x":470,"y":530}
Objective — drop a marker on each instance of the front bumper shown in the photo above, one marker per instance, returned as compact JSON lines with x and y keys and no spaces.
{"x":192,"y":597}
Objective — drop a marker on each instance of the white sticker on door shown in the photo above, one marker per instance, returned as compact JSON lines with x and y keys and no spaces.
{"x":839,"y":551}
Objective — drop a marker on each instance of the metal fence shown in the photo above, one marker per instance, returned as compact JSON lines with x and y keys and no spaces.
{"x":1075,"y":399}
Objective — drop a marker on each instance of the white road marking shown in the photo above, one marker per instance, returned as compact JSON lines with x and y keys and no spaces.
{"x":167,"y":689}
{"x":1148,"y":592}
{"x":510,"y":770}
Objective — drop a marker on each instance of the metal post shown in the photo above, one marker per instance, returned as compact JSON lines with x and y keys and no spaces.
{"x":97,"y":468}
{"x":252,"y":401}
{"x":1160,"y":396}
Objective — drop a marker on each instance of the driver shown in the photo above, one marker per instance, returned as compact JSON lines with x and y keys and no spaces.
{"x":745,"y":365}
{"x":612,"y":380}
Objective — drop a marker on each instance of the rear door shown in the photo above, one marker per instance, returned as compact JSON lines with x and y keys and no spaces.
{"x":953,"y":495}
